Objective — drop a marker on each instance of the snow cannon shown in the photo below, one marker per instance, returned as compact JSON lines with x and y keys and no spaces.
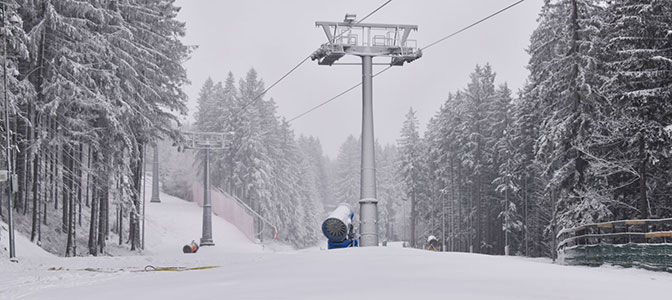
{"x":433,"y":243}
{"x":191,"y":248}
{"x":338,"y":227}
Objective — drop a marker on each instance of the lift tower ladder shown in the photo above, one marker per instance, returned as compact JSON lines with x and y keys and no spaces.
{"x":367,"y":40}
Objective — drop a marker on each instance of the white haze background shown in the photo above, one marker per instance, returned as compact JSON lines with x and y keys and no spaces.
{"x":273,"y":36}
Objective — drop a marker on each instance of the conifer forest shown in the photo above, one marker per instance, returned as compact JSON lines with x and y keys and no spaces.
{"x":94,"y":85}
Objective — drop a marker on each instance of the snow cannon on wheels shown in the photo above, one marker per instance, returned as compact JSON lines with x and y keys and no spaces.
{"x":190,"y":248}
{"x":338,"y":228}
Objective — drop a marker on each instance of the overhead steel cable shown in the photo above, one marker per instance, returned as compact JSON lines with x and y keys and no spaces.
{"x":335,"y":97}
{"x":473,"y":24}
{"x":424,"y":48}
{"x":256,"y":98}
{"x":374,"y":11}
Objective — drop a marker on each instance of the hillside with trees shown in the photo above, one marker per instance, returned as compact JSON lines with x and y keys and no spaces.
{"x":586,"y":140}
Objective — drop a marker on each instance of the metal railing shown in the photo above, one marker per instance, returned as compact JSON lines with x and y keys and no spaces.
{"x":252,"y":211}
{"x":644,"y":243}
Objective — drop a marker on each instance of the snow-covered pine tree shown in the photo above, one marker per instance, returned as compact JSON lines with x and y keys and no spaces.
{"x":466,"y":144}
{"x":564,"y":79}
{"x":20,"y":92}
{"x":639,"y":59}
{"x":536,"y":208}
{"x":431,"y":207}
{"x":508,"y":180}
{"x":390,"y":210}
{"x":411,"y":168}
{"x":64,"y":35}
{"x":264,"y":166}
{"x":212,"y":104}
{"x":105,"y":76}
{"x":147,"y":44}
{"x":223,"y":162}
{"x":477,"y":157}
{"x":297,"y":211}
{"x":347,"y":174}
{"x":315,"y":174}
{"x":446,"y":141}
{"x":253,"y":164}
{"x":206,"y":104}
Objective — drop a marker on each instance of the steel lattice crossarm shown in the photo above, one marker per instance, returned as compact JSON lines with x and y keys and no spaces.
{"x":369,"y":39}
{"x":206,"y":140}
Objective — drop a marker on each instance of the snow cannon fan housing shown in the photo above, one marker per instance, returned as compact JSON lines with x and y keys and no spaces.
{"x":337,"y":227}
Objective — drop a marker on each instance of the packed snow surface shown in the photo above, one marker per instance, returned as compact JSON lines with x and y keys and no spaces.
{"x":22,"y":245}
{"x":244,"y":270}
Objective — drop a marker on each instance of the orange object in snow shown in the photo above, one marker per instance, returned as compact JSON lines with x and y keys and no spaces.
{"x":191,"y":248}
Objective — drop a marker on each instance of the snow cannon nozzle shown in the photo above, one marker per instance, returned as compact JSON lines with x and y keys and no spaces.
{"x":338,"y":227}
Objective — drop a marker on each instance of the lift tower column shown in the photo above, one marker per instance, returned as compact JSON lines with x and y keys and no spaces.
{"x":206,"y":141}
{"x":367,"y":41}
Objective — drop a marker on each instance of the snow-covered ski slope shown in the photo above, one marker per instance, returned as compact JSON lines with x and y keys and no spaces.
{"x":244,"y":270}
{"x":174,"y":223}
{"x":23,"y":246}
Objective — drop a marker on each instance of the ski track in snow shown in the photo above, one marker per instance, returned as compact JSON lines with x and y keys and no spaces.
{"x":248,"y":271}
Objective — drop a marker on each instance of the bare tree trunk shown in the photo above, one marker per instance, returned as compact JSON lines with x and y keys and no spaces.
{"x":93,"y":225}
{"x":470,"y":218}
{"x":137,"y":188}
{"x":131,"y":229}
{"x":26,"y":168}
{"x":46,"y":187}
{"x":120,"y":223}
{"x":56,"y":171}
{"x":412,"y":220}
{"x":477,"y":216}
{"x":77,"y":167}
{"x":103,"y":217}
{"x":35,"y":189}
{"x":80,"y":185}
{"x":34,"y":232}
{"x":66,"y":186}
{"x":452,"y":207}
{"x":88,"y":175}
{"x":52,"y":171}
{"x":643,"y":203}
{"x":69,"y":199}
{"x":42,"y":188}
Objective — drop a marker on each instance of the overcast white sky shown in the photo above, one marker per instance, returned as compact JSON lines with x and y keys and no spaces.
{"x":273,"y":36}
